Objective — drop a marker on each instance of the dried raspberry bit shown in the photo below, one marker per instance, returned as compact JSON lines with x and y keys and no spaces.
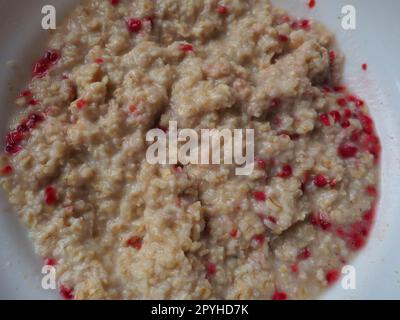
{"x":366,"y":123}
{"x":50,"y":195}
{"x":335,"y":115}
{"x":347,"y":113}
{"x":358,"y":102}
{"x":113,"y":2}
{"x":364,"y":66}
{"x":320,"y":181}
{"x":332,"y":183}
{"x":12,"y":149}
{"x":222,"y":10}
{"x":371,"y":191}
{"x":40,"y":68}
{"x":283,"y":19}
{"x":260,"y":163}
{"x":332,"y":57}
{"x":311,"y":4}
{"x":371,"y":143}
{"x":177,"y":168}
{"x":331,"y":276}
{"x":345,"y":123}
{"x":279,"y":296}
{"x":33,"y":102}
{"x":304,"y":254}
{"x":52,"y":56}
{"x":81,"y":103}
{"x":26,"y":93}
{"x":6,"y":170}
{"x":233,"y":233}
{"x":325,"y":119}
{"x":99,"y":61}
{"x":259,"y":239}
{"x":33,"y":120}
{"x":135,"y":242}
{"x":272,"y":219}
{"x":286,"y":171}
{"x":283,"y":38}
{"x":355,"y":136}
{"x":132,"y":108}
{"x":259,"y":196}
{"x":339,"y":89}
{"x":341,"y":102}
{"x":275,"y":102}
{"x":211,"y":269}
{"x":186,"y":47}
{"x":319,"y":221}
{"x":66,"y":293}
{"x":326,"y":89}
{"x":347,"y":151}
{"x":294,"y":268}
{"x":134,"y":25}
{"x":13,"y":139}
{"x":304,"y":24}
{"x":49,"y":262}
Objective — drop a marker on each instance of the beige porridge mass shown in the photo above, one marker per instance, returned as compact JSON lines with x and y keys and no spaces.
{"x":116,"y":227}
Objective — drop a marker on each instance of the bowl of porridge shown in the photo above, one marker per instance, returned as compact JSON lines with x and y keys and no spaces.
{"x":79,"y":194}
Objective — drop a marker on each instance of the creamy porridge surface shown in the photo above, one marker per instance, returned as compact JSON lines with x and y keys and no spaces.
{"x":116,"y":227}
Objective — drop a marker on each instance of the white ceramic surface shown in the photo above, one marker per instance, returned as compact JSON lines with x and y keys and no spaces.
{"x":376,"y":41}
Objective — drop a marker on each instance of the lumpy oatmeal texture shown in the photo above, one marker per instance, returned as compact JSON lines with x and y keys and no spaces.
{"x":116,"y":227}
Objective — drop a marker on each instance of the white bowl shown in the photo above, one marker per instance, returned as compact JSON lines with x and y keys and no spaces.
{"x":376,"y":41}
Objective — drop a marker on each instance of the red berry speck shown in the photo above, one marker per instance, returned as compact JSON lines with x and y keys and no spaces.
{"x":52,"y":56}
{"x":259,"y":196}
{"x":325,"y":119}
{"x":98,"y":60}
{"x":135,"y":242}
{"x":319,"y":221}
{"x":332,"y":276}
{"x":294,"y":268}
{"x":283,"y":38}
{"x":304,"y":254}
{"x":233,"y":233}
{"x":371,"y":191}
{"x":261,"y":165}
{"x":134,"y":25}
{"x":50,"y":195}
{"x":259,"y":239}
{"x":26,"y":93}
{"x":320,"y":181}
{"x":279,"y":296}
{"x":66,"y":293}
{"x":311,"y":4}
{"x":347,"y":151}
{"x":186,"y":47}
{"x":222,"y":10}
{"x":286,"y":171}
{"x":211,"y":269}
{"x":49,"y":262}
{"x":341,"y":102}
{"x":6,"y":170}
{"x":332,"y":57}
{"x":335,"y":115}
{"x":364,"y":66}
{"x":81,"y":103}
{"x":114,"y":2}
{"x":275,"y":102}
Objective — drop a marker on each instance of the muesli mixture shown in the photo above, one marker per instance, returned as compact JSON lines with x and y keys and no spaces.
{"x":116,"y":227}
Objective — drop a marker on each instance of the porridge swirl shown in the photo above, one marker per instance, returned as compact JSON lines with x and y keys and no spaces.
{"x":116,"y":227}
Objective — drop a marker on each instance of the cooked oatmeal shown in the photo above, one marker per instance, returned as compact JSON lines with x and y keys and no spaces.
{"x":116,"y":227}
